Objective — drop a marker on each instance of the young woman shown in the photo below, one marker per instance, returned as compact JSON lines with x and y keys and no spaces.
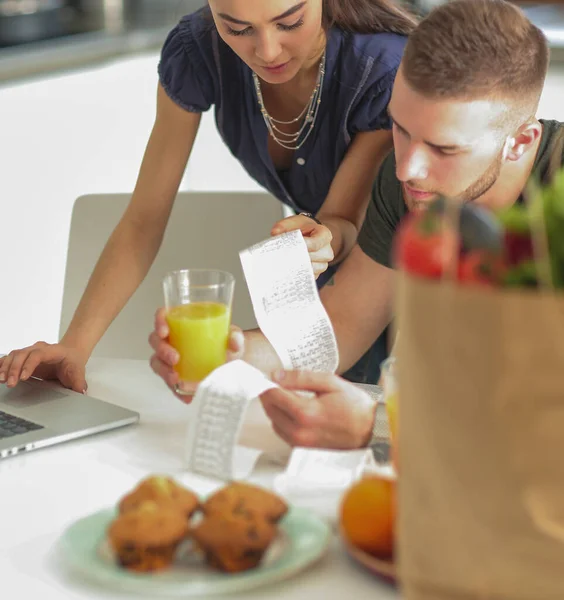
{"x":300,"y":90}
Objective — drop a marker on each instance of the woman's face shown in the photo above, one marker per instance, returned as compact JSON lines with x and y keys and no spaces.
{"x":276,"y":38}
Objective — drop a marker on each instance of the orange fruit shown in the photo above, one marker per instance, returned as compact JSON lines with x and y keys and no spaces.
{"x":368,"y":513}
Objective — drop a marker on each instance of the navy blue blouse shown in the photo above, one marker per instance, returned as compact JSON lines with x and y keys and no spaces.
{"x":198,"y":69}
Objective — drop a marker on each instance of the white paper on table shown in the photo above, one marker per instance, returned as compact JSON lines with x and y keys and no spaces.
{"x":318,"y":479}
{"x":313,"y":471}
{"x":286,"y":303}
{"x":219,"y":408}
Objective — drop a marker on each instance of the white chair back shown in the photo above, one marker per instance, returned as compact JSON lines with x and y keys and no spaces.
{"x":206,"y":230}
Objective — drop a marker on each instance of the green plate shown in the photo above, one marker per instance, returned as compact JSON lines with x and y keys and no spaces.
{"x":303,"y":539}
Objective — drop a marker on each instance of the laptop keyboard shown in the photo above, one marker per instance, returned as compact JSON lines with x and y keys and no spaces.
{"x":11,"y":425}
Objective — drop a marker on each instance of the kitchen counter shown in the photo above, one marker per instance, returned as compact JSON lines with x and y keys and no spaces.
{"x":67,"y":135}
{"x":87,"y":49}
{"x":75,"y":52}
{"x":95,"y":33}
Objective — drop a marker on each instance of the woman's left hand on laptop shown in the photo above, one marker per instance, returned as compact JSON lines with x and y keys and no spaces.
{"x":47,"y":361}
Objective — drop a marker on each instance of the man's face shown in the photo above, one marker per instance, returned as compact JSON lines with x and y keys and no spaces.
{"x":444,"y":147}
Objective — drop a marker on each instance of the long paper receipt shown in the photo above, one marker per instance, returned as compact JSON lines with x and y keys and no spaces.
{"x":290,"y":314}
{"x":286,"y":303}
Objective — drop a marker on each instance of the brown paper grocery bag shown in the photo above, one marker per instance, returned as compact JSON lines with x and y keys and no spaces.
{"x":481,"y":418}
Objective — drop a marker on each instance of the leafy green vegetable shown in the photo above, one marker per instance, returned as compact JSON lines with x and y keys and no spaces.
{"x":522,"y":275}
{"x":542,"y":214}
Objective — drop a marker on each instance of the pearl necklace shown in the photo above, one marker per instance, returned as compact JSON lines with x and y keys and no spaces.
{"x":292,"y":141}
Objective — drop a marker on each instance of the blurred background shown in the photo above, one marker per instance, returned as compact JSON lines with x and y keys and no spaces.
{"x":45,"y":35}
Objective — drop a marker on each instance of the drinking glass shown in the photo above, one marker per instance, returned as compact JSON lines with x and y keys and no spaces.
{"x":198,"y":312}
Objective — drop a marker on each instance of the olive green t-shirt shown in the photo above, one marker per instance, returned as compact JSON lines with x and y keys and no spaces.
{"x":387,"y":206}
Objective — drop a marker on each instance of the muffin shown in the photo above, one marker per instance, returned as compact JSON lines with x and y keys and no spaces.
{"x":163,"y":491}
{"x":233,"y":544}
{"x":146,"y":538}
{"x":236,"y":499}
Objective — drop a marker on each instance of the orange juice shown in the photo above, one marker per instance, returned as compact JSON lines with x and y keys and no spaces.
{"x":392,"y":412}
{"x":199,"y":331}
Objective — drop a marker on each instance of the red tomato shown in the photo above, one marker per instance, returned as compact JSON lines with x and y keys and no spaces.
{"x":425,"y":246}
{"x":480,"y":267}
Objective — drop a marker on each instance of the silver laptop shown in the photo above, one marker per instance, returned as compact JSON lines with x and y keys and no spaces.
{"x":38,"y":413}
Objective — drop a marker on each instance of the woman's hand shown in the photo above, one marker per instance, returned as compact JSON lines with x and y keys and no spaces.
{"x":46,"y":361}
{"x":317,"y":238}
{"x":165,"y":357}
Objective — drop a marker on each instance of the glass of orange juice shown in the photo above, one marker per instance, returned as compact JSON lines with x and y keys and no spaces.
{"x":389,"y":380}
{"x":198,"y":313}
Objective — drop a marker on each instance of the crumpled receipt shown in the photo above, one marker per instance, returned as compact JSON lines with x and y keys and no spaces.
{"x":219,"y":408}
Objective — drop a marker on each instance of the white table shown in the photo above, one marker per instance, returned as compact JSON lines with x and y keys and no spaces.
{"x":44,"y":491}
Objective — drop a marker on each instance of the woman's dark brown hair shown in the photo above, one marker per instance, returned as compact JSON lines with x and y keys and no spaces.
{"x":368,"y":16}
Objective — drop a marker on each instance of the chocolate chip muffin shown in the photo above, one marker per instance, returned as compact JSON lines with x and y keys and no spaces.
{"x":163,"y":491}
{"x":233,"y":544}
{"x":236,"y":499}
{"x":146,"y":538}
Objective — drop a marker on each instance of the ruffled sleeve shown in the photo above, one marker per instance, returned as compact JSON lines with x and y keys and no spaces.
{"x":371,"y":112}
{"x":184,"y":72}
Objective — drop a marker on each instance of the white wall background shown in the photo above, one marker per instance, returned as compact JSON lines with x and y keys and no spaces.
{"x":63,"y":137}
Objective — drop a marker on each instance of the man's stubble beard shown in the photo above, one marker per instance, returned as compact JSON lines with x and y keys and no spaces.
{"x":484,"y":183}
{"x":473,"y":191}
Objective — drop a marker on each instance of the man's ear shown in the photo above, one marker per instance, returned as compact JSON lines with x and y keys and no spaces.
{"x":522,"y":140}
